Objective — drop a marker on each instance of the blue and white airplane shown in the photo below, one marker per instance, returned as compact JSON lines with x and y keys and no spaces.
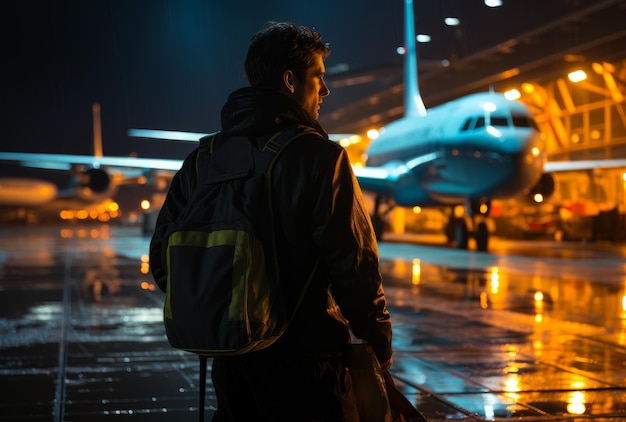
{"x":466,"y":152}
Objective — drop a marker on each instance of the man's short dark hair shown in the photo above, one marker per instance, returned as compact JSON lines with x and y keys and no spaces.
{"x":281,"y":46}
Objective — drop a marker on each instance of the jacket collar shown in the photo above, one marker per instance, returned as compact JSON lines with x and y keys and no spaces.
{"x":257,"y":111}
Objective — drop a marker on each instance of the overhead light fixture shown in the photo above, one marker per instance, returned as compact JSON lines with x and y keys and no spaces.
{"x":493,"y":3}
{"x":512,"y":94}
{"x":577,"y":76}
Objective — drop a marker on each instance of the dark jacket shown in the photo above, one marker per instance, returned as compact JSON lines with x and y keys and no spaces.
{"x":319,"y":212}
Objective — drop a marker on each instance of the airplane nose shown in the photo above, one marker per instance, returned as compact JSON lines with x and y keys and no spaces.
{"x":521,"y":141}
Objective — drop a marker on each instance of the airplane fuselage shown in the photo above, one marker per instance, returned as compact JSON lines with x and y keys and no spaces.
{"x":479,"y":146}
{"x":16,"y":191}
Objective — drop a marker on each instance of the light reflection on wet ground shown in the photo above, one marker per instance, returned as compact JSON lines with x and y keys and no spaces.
{"x":530,"y":331}
{"x":502,"y":336}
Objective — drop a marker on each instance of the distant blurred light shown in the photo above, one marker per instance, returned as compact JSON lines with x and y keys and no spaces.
{"x":598,"y":68}
{"x":445,"y":62}
{"x":416,"y":271}
{"x":577,"y":76}
{"x":452,"y":21}
{"x":573,"y":58}
{"x":484,"y":300}
{"x":355,"y":139}
{"x":528,"y":87}
{"x":423,"y":38}
{"x":337,"y":137}
{"x":576,"y":402}
{"x":494,"y":277}
{"x":512,"y":94}
{"x":401,"y":50}
{"x":493,"y":3}
{"x":373,"y":134}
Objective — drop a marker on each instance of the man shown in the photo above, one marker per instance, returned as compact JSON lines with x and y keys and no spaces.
{"x":319,"y":216}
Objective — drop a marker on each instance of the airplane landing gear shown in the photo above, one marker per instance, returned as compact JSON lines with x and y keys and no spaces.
{"x":482,"y":236}
{"x":461,"y":228}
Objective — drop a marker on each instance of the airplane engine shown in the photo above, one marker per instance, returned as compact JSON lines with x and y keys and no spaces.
{"x":95,"y":179}
{"x":94,"y":184}
{"x":543,"y":189}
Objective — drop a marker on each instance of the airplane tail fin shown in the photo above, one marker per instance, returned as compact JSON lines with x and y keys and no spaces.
{"x":97,"y":131}
{"x":413,"y":104}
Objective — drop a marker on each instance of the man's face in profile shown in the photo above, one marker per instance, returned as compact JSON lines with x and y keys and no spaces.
{"x":311,"y":88}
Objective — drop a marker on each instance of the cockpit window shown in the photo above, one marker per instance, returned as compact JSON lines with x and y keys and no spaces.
{"x":499,"y":121}
{"x":524,"y":121}
{"x":466,"y":125}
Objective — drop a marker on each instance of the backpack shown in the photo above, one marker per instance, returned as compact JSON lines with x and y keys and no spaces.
{"x":223,"y":294}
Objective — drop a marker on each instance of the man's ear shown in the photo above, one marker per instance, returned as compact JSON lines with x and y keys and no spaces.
{"x":288,"y":81}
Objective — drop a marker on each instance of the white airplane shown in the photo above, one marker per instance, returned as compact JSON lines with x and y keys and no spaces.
{"x":95,"y":179}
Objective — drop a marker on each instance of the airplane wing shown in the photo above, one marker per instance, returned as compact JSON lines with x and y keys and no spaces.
{"x":563,"y":166}
{"x":175,"y":135}
{"x":65,"y":161}
{"x":383,"y":180}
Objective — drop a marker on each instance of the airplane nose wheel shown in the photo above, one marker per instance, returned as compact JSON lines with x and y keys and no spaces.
{"x":462,"y":234}
{"x":482,"y":236}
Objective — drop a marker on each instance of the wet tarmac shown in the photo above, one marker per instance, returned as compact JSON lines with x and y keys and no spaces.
{"x":532,"y":331}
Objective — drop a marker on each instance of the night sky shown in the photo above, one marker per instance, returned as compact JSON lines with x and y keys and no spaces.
{"x":170,"y":64}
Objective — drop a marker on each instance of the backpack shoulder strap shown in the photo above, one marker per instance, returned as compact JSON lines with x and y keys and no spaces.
{"x":276,"y":144}
{"x":279,"y":141}
{"x":207,"y":145}
{"x":265,"y":157}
